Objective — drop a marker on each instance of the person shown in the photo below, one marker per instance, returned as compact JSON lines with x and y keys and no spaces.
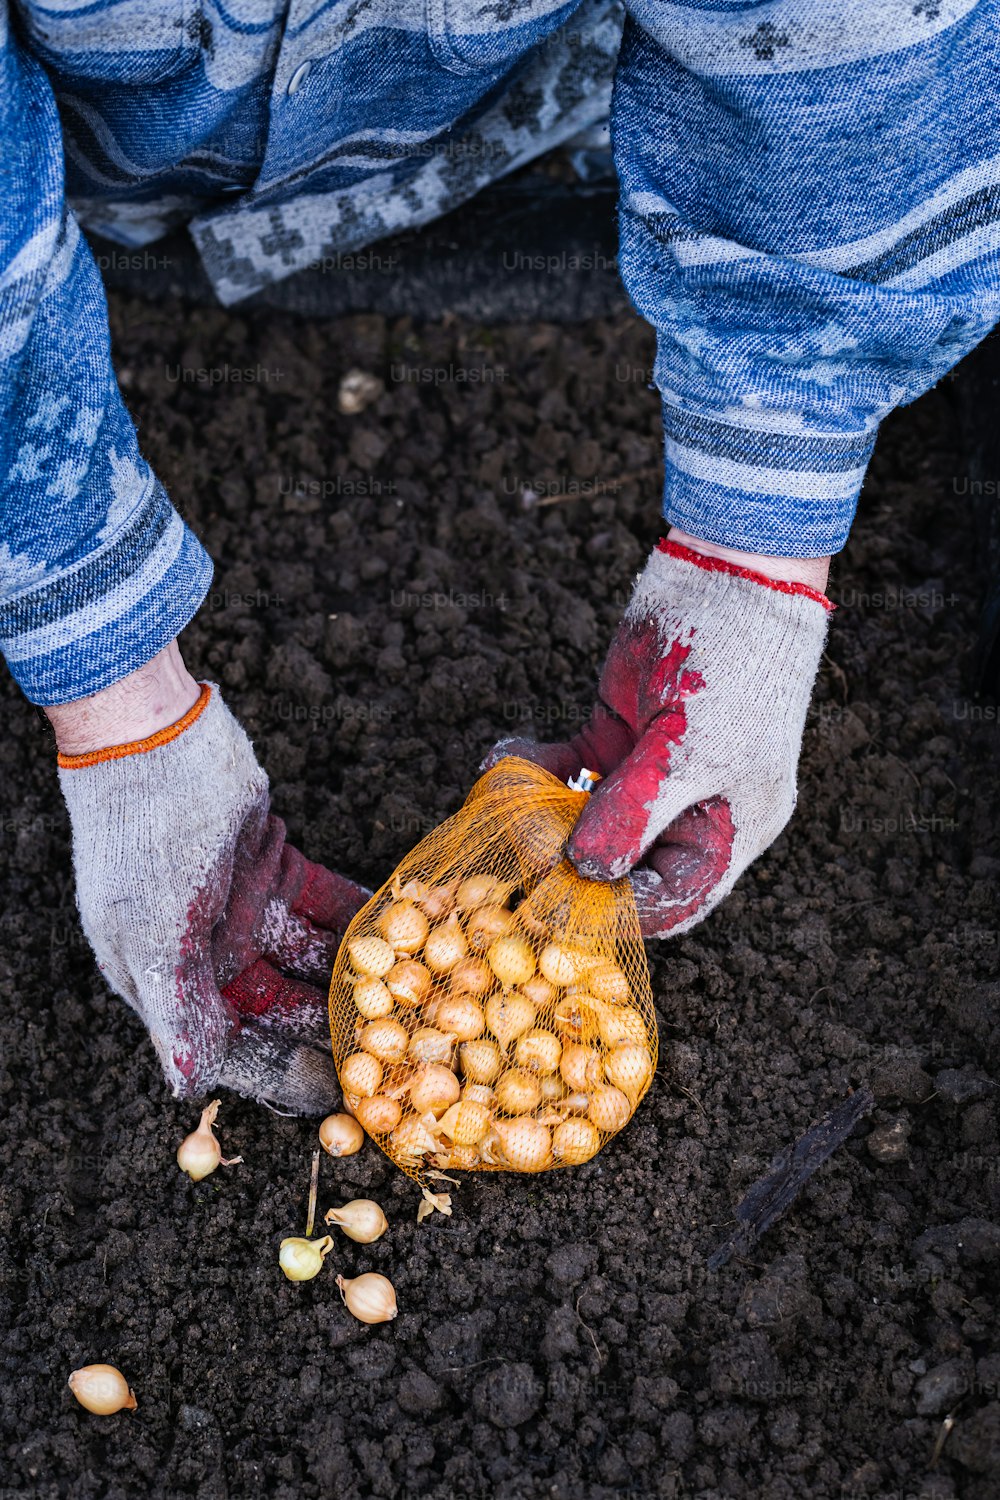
{"x":809,"y":219}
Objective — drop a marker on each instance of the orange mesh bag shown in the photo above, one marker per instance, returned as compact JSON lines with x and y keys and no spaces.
{"x":490,"y":1009}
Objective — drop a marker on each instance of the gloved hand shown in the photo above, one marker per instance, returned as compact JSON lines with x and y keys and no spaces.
{"x":696,"y":733}
{"x":211,"y":927}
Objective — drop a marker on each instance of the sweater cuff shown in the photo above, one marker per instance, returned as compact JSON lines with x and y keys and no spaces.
{"x":780,"y":494}
{"x":108,"y":614}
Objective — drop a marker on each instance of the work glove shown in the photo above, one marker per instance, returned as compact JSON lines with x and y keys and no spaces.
{"x":696,"y":733}
{"x":217,"y":932}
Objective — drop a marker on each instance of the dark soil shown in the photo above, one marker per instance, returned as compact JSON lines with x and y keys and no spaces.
{"x":559,"y":1336}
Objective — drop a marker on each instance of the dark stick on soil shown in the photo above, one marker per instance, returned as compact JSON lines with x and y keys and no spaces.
{"x":768,"y":1199}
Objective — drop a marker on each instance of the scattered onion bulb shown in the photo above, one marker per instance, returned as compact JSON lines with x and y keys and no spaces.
{"x":102,"y":1389}
{"x":526,"y":1145}
{"x":434,"y":1089}
{"x":408,"y":981}
{"x":404,"y":926}
{"x":511,"y":960}
{"x":386,"y":1039}
{"x":200,"y":1153}
{"x":339,"y":1135}
{"x":302,"y":1259}
{"x":460,"y":1017}
{"x":361,"y":1220}
{"x":538,"y":1050}
{"x":370,"y":955}
{"x":508,"y":1015}
{"x":361,"y":1074}
{"x":472,"y":976}
{"x":465,"y":1123}
{"x":372,"y":998}
{"x":480,"y":1060}
{"x":517,"y":1092}
{"x":561,"y":964}
{"x":540,"y":991}
{"x":445,"y":946}
{"x":379,"y":1114}
{"x":371,"y":1298}
{"x":575,"y":1141}
{"x":486,"y":924}
{"x":628,"y":1067}
{"x":609,"y":1108}
{"x":607,"y":982}
{"x":428,"y":1044}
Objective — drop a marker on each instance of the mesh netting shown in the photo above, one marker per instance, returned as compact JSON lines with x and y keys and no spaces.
{"x":490,"y":1009}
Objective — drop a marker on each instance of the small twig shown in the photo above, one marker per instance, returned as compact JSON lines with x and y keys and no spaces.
{"x":313,"y":1190}
{"x":942,"y":1437}
{"x":593,"y":1337}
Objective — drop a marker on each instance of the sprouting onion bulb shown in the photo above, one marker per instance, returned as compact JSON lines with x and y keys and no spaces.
{"x":200,"y":1153}
{"x":361,"y":1220}
{"x":370,"y":1298}
{"x":339,"y":1135}
{"x":302,"y":1259}
{"x":102,"y":1389}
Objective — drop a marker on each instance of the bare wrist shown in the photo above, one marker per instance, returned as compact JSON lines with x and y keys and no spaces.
{"x":814,"y":571}
{"x":150,"y":699}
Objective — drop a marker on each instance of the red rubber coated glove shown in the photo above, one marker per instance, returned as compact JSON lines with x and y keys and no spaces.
{"x":696,"y":733}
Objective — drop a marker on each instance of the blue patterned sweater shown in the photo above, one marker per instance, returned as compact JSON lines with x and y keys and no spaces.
{"x":810,"y":219}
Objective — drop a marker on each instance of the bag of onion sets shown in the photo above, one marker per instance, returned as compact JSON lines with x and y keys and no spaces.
{"x":490,"y":1009}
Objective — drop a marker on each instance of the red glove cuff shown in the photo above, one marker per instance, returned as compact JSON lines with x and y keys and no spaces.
{"x":722,"y":565}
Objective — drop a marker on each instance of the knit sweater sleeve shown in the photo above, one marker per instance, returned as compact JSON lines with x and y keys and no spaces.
{"x":810,"y":219}
{"x":97,"y":570}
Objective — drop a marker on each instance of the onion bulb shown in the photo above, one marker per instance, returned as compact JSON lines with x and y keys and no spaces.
{"x":487,"y":923}
{"x":404,"y":926}
{"x":511,"y":960}
{"x":379,"y":1114}
{"x":480,"y":1060}
{"x":386,"y":1039}
{"x":411,"y":1139}
{"x":538,"y":1050}
{"x":339,"y":1135}
{"x":445,"y":946}
{"x":372,"y":998}
{"x":517,"y":1092}
{"x":561,"y":964}
{"x":361,"y":1220}
{"x":628,"y":1067}
{"x":479,"y":1093}
{"x":361,"y":1074}
{"x":465,"y":1123}
{"x":459,"y":1016}
{"x":472,"y":976}
{"x":371,"y":1298}
{"x":434,"y":1089}
{"x":477,"y":890}
{"x":619,"y":1023}
{"x":540,"y":991}
{"x":609,"y":1108}
{"x":526,"y":1145}
{"x":102,"y":1389}
{"x":370,"y":955}
{"x":463,"y":1157}
{"x":580,"y":1066}
{"x":200,"y":1153}
{"x":428,"y":1044}
{"x":575,"y":1141}
{"x":408,"y":981}
{"x":508,"y":1015}
{"x":607,"y":982}
{"x":435,"y":901}
{"x":302,"y":1259}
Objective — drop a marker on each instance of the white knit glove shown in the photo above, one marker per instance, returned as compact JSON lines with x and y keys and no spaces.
{"x":696,"y":733}
{"x":212,"y":928}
